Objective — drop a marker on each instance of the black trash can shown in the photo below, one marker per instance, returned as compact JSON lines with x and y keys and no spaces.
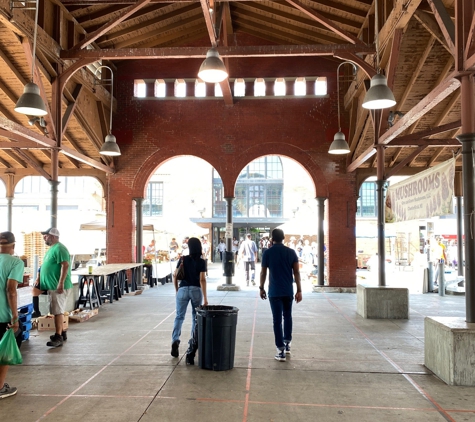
{"x":216,"y":336}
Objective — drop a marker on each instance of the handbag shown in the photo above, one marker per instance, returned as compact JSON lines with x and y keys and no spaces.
{"x":9,"y":351}
{"x":180,"y":274}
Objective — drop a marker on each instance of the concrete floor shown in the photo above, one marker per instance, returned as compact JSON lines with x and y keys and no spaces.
{"x":117,"y":366}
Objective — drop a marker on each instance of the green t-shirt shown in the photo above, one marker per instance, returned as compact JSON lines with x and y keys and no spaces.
{"x":51,"y":268}
{"x":11,"y":267}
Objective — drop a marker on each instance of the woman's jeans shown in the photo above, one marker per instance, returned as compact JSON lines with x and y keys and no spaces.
{"x":282,"y":309}
{"x":183,"y":296}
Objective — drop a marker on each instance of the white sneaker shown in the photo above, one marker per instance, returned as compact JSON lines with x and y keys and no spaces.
{"x":7,"y":391}
{"x":280,"y":355}
{"x":287,"y":347}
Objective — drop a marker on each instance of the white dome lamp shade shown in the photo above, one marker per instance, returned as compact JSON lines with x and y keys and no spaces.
{"x":379,"y":96}
{"x":339,"y":146}
{"x":110,"y":147}
{"x":213,"y":70}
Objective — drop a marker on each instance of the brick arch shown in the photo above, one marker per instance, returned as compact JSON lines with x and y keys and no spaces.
{"x":146,"y":170}
{"x":282,"y":149}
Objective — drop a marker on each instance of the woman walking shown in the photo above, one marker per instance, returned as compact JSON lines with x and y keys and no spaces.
{"x":192,"y":288}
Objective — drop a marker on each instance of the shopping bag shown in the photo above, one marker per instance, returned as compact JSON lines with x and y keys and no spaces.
{"x":9,"y":351}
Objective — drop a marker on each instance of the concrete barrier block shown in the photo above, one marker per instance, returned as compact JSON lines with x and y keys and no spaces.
{"x":382,"y":302}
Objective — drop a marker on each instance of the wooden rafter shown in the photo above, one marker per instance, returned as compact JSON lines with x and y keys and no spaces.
{"x":431,"y":26}
{"x":347,"y":36}
{"x":446,"y":24}
{"x":128,"y":11}
{"x":33,"y":162}
{"x":397,"y":168}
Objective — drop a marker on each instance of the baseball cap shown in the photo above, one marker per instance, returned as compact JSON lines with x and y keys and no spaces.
{"x":52,"y":231}
{"x":7,"y":238}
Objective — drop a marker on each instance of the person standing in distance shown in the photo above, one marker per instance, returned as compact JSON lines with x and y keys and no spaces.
{"x":55,"y":278}
{"x":283,"y":265}
{"x":248,"y":251}
{"x":11,"y":273}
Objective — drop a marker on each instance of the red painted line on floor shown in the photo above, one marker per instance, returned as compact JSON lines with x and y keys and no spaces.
{"x":102,"y":369}
{"x":424,"y":394}
{"x":249,"y":364}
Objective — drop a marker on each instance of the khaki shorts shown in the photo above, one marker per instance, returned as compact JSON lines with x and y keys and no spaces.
{"x":57,"y":302}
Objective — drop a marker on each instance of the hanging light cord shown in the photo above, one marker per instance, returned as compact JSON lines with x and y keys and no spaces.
{"x":338,"y":87}
{"x":35,"y":31}
{"x":376,"y":34}
{"x":112,"y":92}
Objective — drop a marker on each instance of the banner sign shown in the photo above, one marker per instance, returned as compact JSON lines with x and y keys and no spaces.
{"x":428,"y":194}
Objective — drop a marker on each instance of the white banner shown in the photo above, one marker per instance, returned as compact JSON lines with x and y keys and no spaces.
{"x":425,"y":195}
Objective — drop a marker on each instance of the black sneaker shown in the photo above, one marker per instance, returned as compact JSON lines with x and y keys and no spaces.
{"x":36,"y":314}
{"x":174,"y":351}
{"x":64,"y":334}
{"x":190,"y":359}
{"x":7,"y":391}
{"x":56,"y":341}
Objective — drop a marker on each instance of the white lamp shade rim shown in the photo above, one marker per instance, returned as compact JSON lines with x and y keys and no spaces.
{"x":30,"y":102}
{"x":339,"y":145}
{"x":110,"y":147}
{"x":379,"y":96}
{"x":213,"y":70}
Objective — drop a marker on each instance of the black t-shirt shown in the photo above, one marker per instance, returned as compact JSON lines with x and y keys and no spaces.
{"x":192,"y":271}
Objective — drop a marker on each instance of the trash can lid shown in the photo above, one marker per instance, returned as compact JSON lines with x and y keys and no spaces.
{"x":216,"y":310}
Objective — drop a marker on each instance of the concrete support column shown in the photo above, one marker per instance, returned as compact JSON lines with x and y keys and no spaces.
{"x":228,"y":261}
{"x":468,"y":175}
{"x":321,"y":241}
{"x":54,"y":202}
{"x":380,"y":220}
{"x":9,"y":212}
{"x":138,"y":229}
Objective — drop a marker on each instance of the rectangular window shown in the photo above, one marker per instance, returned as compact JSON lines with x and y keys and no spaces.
{"x":200,"y":89}
{"x":274,"y":200}
{"x":321,"y":86}
{"x":239,"y":88}
{"x":140,"y":88}
{"x":180,"y":88}
{"x":218,"y":92}
{"x":160,"y":88}
{"x":240,"y":201}
{"x":279,"y":87}
{"x":300,"y":87}
{"x":257,"y":201}
{"x":366,"y":206}
{"x":259,"y":87}
{"x":219,"y":204}
{"x":153,"y":203}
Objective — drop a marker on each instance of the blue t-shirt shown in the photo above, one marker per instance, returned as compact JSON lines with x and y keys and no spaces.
{"x":280,"y":260}
{"x":192,"y":271}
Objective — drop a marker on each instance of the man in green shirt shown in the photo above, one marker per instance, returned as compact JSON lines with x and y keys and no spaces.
{"x":11,"y":273}
{"x":55,"y":278}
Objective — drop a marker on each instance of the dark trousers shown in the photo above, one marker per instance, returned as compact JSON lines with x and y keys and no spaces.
{"x":281,"y":308}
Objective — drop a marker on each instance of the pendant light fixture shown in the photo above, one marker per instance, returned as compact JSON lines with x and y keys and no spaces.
{"x":31,"y":103}
{"x":212,"y":69}
{"x":339,"y":145}
{"x":109,"y":147}
{"x":379,"y":96}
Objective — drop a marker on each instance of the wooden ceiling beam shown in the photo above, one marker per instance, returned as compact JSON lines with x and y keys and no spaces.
{"x":429,"y":142}
{"x":183,"y":13}
{"x":446,"y":24}
{"x":438,"y":94}
{"x":33,"y":162}
{"x":347,"y":36}
{"x":170,"y":29}
{"x":429,"y":132}
{"x":209,"y":21}
{"x":431,"y":26}
{"x":126,"y":13}
{"x":397,"y":168}
{"x":71,"y":107}
{"x":415,"y":74}
{"x":15,"y":157}
{"x":230,"y":52}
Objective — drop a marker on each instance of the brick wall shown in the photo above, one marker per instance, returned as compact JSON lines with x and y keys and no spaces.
{"x":149,"y":132}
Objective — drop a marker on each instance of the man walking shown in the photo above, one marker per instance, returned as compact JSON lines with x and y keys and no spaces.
{"x":282,"y":262}
{"x":248,"y":252}
{"x":11,"y":273}
{"x":55,"y":278}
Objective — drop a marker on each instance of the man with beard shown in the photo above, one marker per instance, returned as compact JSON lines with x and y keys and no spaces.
{"x":54,"y":277}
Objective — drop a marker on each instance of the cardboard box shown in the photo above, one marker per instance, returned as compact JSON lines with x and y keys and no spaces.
{"x":81,"y":315}
{"x":46,"y":323}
